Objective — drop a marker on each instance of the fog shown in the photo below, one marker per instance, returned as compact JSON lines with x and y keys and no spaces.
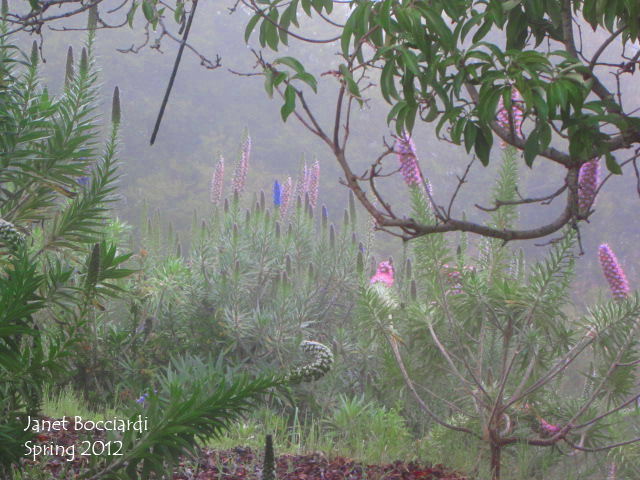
{"x":209,"y":109}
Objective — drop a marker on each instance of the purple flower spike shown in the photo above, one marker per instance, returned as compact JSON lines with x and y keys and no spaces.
{"x":408,"y":160}
{"x":613,"y":272}
{"x":384,"y":274}
{"x":285,"y":196}
{"x":588,"y":184}
{"x":612,"y":472}
{"x":312,"y":185}
{"x":216,"y":182}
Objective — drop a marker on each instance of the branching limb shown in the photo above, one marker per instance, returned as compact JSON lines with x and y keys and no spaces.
{"x":544,"y":200}
{"x":396,"y":352}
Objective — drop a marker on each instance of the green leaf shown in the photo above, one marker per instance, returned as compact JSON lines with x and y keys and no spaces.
{"x":410,"y":117}
{"x":433,"y":112}
{"x":437,"y":25}
{"x":306,"y":6}
{"x":352,"y":86}
{"x":179,"y":12}
{"x":271,"y":31}
{"x":387,"y":82}
{"x":385,"y":15}
{"x":612,"y":164}
{"x":131,"y":13}
{"x":483,"y":146}
{"x":250,"y":26}
{"x":531,"y":147}
{"x":347,"y":32}
{"x":148,"y":10}
{"x":410,"y":61}
{"x":291,"y":63}
{"x":268,"y":82}
{"x":289,"y":103}
{"x":489,"y":103}
{"x":309,"y":80}
{"x":394,"y":111}
{"x":470,"y":132}
{"x":483,"y":30}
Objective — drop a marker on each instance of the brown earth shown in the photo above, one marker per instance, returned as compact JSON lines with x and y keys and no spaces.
{"x":241,"y":464}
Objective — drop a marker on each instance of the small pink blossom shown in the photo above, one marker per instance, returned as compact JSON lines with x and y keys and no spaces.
{"x":613,"y":272}
{"x":384,"y":274}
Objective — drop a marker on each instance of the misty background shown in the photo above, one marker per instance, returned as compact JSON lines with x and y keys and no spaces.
{"x":209,"y":109}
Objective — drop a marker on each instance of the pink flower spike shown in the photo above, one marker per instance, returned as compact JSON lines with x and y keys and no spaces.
{"x":285,"y":196}
{"x":216,"y":182}
{"x":588,"y":184}
{"x":613,"y":272}
{"x":242,"y":167}
{"x":314,"y":177}
{"x":301,"y":184}
{"x":384,"y":274}
{"x":408,"y":160}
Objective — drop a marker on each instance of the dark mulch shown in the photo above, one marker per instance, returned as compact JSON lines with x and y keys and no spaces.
{"x":240,"y":464}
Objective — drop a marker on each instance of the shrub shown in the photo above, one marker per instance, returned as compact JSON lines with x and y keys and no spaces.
{"x":490,"y":342}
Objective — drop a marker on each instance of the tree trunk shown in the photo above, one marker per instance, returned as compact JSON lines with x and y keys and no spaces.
{"x":495,"y":461}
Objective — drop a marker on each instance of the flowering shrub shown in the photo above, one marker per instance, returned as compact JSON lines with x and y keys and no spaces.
{"x":262,"y":273}
{"x":499,"y":336}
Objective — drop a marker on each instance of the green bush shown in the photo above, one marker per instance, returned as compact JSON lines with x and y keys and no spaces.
{"x":261,"y":275}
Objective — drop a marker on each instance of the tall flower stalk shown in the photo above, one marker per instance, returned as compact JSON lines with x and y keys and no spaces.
{"x":277,"y":194}
{"x":242,"y":167}
{"x":217,"y":182}
{"x":285,"y":196}
{"x":312,"y":185}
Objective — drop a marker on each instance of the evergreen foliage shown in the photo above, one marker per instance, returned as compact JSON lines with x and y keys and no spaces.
{"x":63,"y":279}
